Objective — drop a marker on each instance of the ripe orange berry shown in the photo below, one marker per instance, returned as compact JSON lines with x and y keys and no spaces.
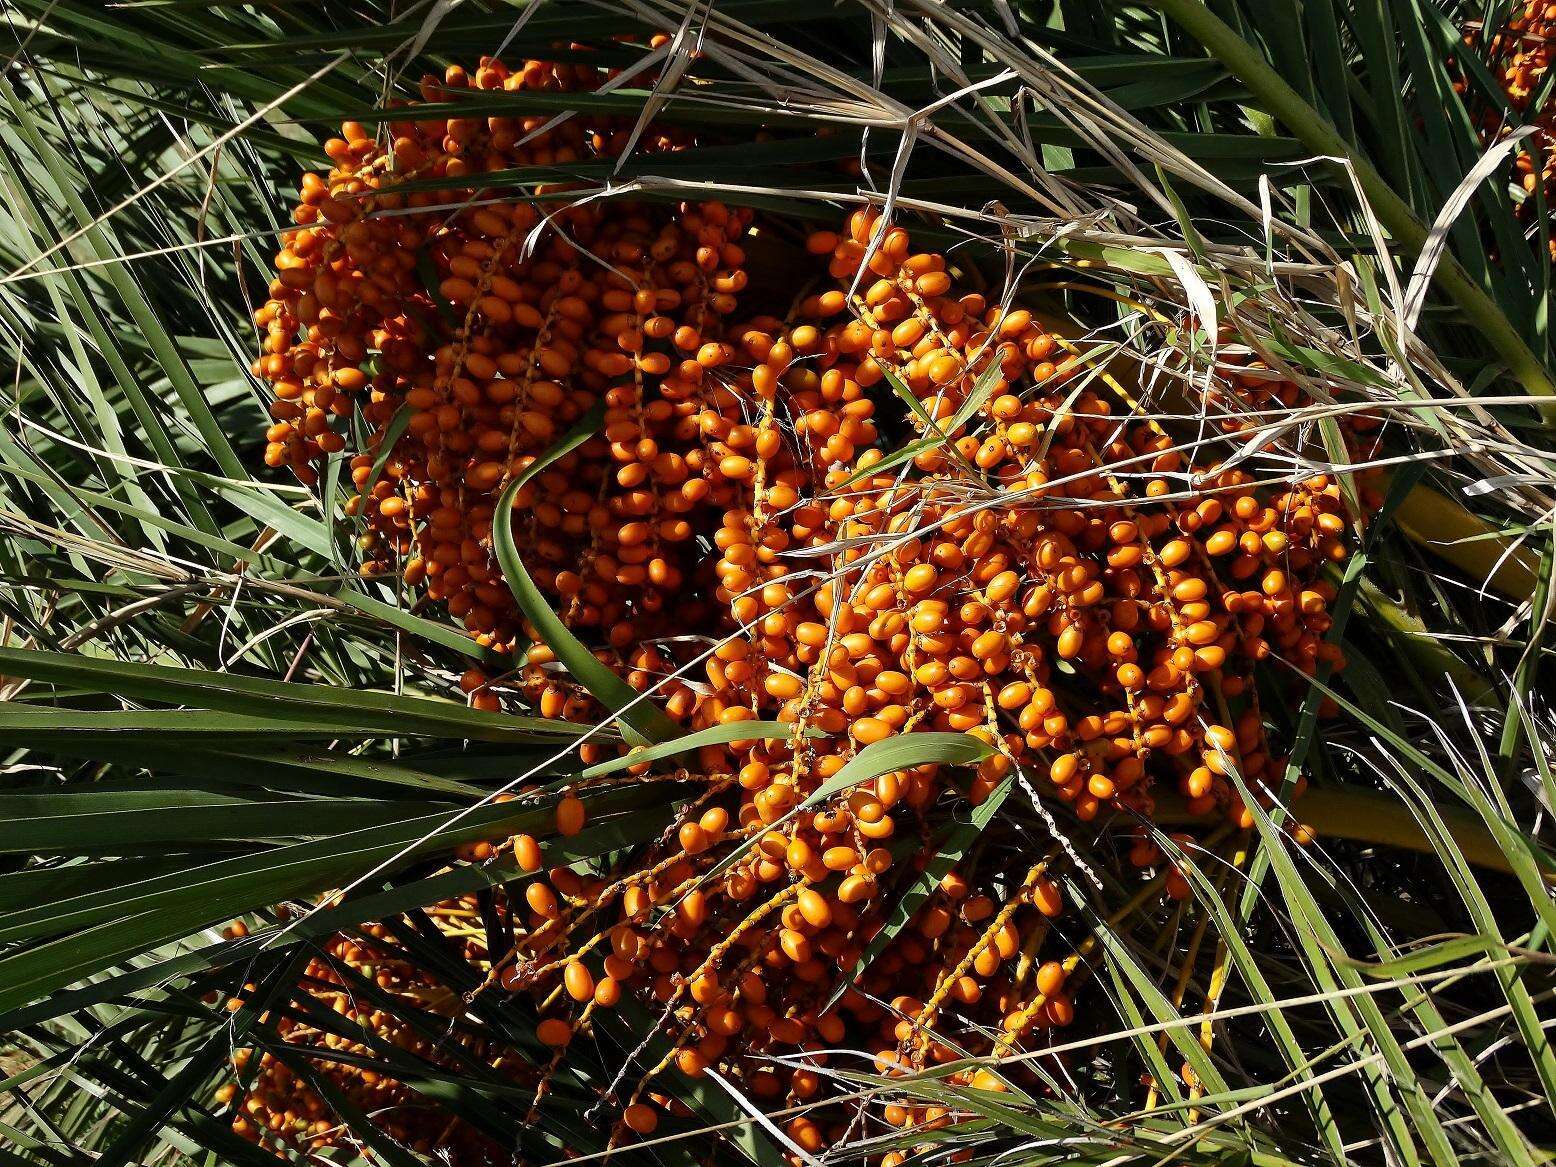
{"x":641,"y":1118}
{"x":1050,"y":978}
{"x":554,"y":1032}
{"x":526,"y":853}
{"x":570,"y":815}
{"x":579,"y":981}
{"x":814,"y":908}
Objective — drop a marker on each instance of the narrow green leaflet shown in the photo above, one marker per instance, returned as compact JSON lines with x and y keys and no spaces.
{"x":388,"y":713}
{"x":900,"y":753}
{"x":714,"y":735}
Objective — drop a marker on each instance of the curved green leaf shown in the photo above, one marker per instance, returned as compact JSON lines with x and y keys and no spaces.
{"x":714,"y":735}
{"x":640,"y":719}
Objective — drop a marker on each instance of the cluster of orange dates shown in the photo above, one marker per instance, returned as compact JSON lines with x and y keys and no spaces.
{"x":1519,"y":54}
{"x":903,"y":507}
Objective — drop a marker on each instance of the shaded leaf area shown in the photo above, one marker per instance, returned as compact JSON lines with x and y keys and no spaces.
{"x":208,"y":715}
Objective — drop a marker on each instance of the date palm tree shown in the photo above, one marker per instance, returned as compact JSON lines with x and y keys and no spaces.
{"x":227,"y":753}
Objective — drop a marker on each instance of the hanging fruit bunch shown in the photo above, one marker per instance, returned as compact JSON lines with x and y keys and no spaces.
{"x":1519,"y":55}
{"x":486,"y":328}
{"x":901,"y":509}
